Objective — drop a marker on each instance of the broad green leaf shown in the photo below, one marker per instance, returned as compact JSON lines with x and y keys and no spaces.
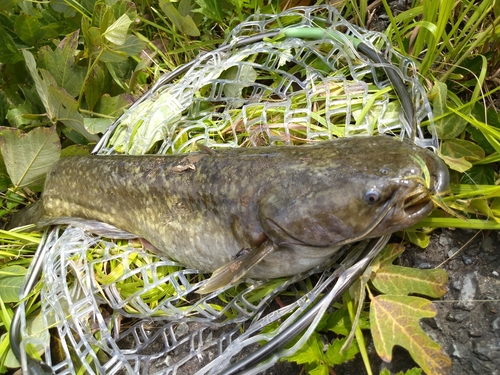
{"x":448,"y":125}
{"x":66,"y":110}
{"x":398,"y":280}
{"x":212,"y":9}
{"x":487,"y":116}
{"x":9,"y":52}
{"x":334,"y":355}
{"x":131,"y":46}
{"x":340,"y":323}
{"x":395,"y":321}
{"x":61,"y":6}
{"x":457,"y":164}
{"x":311,"y":354}
{"x":11,"y":280}
{"x":40,"y":85}
{"x":458,"y":148}
{"x":479,"y":175}
{"x":29,"y":156}
{"x":18,"y":115}
{"x":184,"y":24}
{"x":5,"y":181}
{"x":239,"y":77}
{"x":4,"y":106}
{"x":95,"y":85}
{"x":112,"y":105}
{"x":97,"y":125}
{"x":36,"y":328}
{"x":117,"y":32}
{"x":418,"y":238}
{"x":75,"y":150}
{"x":28,"y":29}
{"x":60,"y":62}
{"x":7,"y":4}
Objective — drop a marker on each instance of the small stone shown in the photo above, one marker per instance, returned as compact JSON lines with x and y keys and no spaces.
{"x":488,"y":245}
{"x":445,"y":240}
{"x":468,"y":291}
{"x":495,"y":325}
{"x":452,"y":251}
{"x":182,"y":329}
{"x":424,"y":266}
{"x":459,"y":350}
{"x":495,"y":273}
{"x":467,"y":260}
{"x":487,"y":350}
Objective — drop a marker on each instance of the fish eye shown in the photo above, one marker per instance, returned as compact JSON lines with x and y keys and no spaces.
{"x":372,"y":196}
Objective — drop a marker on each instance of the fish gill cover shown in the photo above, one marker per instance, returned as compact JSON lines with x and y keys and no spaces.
{"x":121,"y":310}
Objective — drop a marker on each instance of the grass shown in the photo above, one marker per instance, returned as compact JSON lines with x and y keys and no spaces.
{"x":113,"y":60}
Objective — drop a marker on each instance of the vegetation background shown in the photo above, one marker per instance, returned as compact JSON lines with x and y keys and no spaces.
{"x":69,"y":68}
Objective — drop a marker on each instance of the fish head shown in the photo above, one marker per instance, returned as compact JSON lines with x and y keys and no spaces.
{"x":373,"y":187}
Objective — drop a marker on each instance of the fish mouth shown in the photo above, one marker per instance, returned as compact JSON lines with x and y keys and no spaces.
{"x":418,"y":209}
{"x":419,"y":204}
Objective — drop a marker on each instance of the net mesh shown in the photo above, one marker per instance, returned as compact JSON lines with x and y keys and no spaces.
{"x":118,"y":309}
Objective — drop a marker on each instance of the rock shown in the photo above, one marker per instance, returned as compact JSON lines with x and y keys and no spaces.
{"x":467,"y":260}
{"x":488,"y":245}
{"x":459,"y":350}
{"x":488,"y":349}
{"x":468,"y":291}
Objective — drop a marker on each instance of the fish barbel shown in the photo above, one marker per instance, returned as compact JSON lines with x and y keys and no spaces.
{"x":262,"y":212}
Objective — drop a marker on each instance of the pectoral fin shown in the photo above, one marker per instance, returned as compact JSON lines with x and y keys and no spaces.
{"x":236,"y":269}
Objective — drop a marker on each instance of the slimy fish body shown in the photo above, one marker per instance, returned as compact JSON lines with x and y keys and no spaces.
{"x":263,"y":212}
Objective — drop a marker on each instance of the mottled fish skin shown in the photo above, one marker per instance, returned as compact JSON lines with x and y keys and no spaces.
{"x":203,"y":208}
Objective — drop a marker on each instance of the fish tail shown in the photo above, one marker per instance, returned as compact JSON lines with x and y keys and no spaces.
{"x":28,"y":215}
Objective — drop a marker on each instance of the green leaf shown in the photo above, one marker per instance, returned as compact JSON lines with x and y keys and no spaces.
{"x":9,"y":51}
{"x":112,"y":105}
{"x":340,"y":323}
{"x":479,"y":175}
{"x":4,"y":106}
{"x":239,"y":77}
{"x":18,"y":115}
{"x":395,"y":321}
{"x":131,"y":47}
{"x":29,"y":156}
{"x":397,"y":280}
{"x":490,"y":117}
{"x":418,"y":238}
{"x":458,"y":148}
{"x":66,"y":110}
{"x":184,"y":24}
{"x":28,"y":29}
{"x":334,"y":355}
{"x":117,"y":32}
{"x":95,"y":85}
{"x":97,"y":125}
{"x":310,"y":352}
{"x":400,"y":280}
{"x":11,"y":280}
{"x":60,"y":62}
{"x":40,"y":85}
{"x":212,"y":9}
{"x":457,"y":164}
{"x":75,"y":150}
{"x":61,"y":6}
{"x":5,"y":181}
{"x":448,"y":125}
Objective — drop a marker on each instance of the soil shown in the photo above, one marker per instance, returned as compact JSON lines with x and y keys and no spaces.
{"x":467,"y":323}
